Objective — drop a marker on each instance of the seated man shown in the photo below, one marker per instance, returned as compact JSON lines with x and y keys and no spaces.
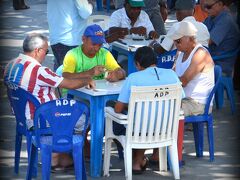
{"x":41,"y":82}
{"x":184,"y":12}
{"x":148,"y":75}
{"x":224,"y":33}
{"x":91,"y":60}
{"x":195,"y":69}
{"x":132,"y":20}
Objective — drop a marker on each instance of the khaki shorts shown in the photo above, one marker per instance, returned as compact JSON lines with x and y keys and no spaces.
{"x":192,"y":107}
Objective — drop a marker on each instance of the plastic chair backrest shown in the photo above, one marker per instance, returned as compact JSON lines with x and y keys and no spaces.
{"x":217,"y":77}
{"x":167,"y":59}
{"x":18,"y":98}
{"x":153,"y":114}
{"x":101,"y":20}
{"x":62,"y":116}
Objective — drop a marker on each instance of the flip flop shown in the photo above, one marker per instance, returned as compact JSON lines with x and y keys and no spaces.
{"x":57,"y":169}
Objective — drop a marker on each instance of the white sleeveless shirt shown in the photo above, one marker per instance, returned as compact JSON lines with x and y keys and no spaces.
{"x":202,"y":84}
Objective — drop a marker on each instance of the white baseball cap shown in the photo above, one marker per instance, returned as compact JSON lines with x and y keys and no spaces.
{"x":183,"y":28}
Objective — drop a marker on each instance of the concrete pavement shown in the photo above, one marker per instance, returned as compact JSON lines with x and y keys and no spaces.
{"x":15,"y":25}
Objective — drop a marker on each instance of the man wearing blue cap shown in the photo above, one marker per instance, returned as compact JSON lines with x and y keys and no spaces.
{"x":90,"y":59}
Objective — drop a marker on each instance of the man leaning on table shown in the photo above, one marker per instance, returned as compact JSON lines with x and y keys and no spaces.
{"x":27,"y":72}
{"x":131,"y":19}
{"x":92,"y":60}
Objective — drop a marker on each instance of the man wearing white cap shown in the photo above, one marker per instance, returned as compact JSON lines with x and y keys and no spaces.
{"x":194,"y":67}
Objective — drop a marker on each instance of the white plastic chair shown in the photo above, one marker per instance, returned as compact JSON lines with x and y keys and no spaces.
{"x":152,"y":122}
{"x":101,"y":20}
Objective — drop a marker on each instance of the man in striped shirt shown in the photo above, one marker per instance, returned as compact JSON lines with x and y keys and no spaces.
{"x":27,"y":72}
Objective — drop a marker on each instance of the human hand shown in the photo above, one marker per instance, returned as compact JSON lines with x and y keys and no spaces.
{"x":111,"y":76}
{"x":153,"y":35}
{"x":142,"y":31}
{"x":91,"y":85}
{"x":97,"y":70}
{"x":152,"y":43}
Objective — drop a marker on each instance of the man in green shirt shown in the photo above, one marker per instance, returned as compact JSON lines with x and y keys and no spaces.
{"x":90,"y":59}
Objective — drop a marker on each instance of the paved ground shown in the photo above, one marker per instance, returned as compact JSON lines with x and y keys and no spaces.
{"x":15,"y":25}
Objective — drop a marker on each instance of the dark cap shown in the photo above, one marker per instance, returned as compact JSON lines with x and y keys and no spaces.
{"x":184,"y":5}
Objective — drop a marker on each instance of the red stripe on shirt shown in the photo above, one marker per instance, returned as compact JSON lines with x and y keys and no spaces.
{"x":50,"y":72}
{"x":33,"y":78}
{"x":31,"y":85}
{"x":40,"y":95}
{"x":48,"y":81}
{"x":49,"y":93}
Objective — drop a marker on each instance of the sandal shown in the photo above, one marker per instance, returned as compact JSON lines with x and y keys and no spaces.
{"x":57,"y":169}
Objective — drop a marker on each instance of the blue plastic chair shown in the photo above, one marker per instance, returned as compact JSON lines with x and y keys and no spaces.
{"x":225,"y":84}
{"x":197,"y":121}
{"x":18,"y":98}
{"x":166,"y":60}
{"x":54,"y":124}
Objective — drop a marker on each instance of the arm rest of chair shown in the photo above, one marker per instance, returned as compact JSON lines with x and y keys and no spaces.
{"x":117,"y":117}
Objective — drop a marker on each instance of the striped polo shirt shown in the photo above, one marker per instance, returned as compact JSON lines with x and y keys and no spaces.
{"x":30,"y":75}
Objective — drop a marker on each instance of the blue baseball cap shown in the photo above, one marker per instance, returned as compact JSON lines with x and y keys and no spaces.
{"x":96,"y":34}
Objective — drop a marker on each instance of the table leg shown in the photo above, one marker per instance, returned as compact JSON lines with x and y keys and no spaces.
{"x":99,"y":5}
{"x":97,"y":131}
{"x":131,"y":64}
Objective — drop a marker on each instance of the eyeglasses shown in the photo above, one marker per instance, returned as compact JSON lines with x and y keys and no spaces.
{"x":178,"y":41}
{"x":46,"y":50}
{"x":207,"y":6}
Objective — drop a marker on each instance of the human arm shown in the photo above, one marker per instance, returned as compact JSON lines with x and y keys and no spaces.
{"x":84,"y":7}
{"x":120,"y":107}
{"x":163,"y":10}
{"x":114,"y":71}
{"x":77,"y":83}
{"x":89,"y":73}
{"x":201,"y":60}
{"x":124,"y":95}
{"x":115,"y":33}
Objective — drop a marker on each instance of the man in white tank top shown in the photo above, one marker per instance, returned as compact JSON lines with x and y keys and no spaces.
{"x":195,"y":68}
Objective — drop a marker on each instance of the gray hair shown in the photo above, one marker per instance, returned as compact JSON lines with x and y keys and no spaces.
{"x":33,"y":41}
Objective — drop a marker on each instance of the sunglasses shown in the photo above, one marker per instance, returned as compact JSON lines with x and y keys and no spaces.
{"x":46,"y":50}
{"x":207,"y":6}
{"x":178,"y":41}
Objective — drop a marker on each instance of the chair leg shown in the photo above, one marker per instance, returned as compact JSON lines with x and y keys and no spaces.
{"x":198,"y":138}
{"x":174,"y":160}
{"x":32,"y":161}
{"x":107,"y":156}
{"x":230,"y":94}
{"x":79,"y":166}
{"x":18,"y":146}
{"x":128,"y":163}
{"x":219,"y":96}
{"x":46,"y":157}
{"x":29,"y":143}
{"x":163,"y":159}
{"x":210,"y":140}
